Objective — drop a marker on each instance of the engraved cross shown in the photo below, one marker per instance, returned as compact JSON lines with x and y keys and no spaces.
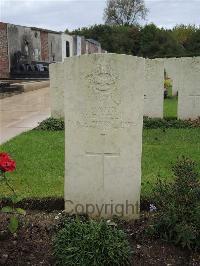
{"x":103,"y":155}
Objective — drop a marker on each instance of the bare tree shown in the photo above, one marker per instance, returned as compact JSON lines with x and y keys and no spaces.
{"x":124,"y":12}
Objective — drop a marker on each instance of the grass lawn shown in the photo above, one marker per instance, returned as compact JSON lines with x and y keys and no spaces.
{"x":170,"y":107}
{"x":40,"y":159}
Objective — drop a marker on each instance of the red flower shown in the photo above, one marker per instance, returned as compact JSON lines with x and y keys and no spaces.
{"x":4,"y":156}
{"x":6,"y":163}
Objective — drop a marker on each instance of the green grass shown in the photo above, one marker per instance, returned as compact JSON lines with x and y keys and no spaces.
{"x":162,"y":148}
{"x":170,"y":107}
{"x":40,"y":159}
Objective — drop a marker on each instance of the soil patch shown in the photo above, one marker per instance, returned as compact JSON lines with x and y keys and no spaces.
{"x":32,"y":245}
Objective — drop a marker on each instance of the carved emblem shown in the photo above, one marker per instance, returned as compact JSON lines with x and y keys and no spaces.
{"x":103,"y":78}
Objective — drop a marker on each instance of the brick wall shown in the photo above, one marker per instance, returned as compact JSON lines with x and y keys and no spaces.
{"x":44,"y":46}
{"x":4,"y":61}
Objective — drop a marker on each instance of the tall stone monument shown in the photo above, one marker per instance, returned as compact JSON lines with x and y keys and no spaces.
{"x":103,"y":134}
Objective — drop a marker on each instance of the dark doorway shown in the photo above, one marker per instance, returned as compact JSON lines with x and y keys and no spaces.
{"x":67,"y":49}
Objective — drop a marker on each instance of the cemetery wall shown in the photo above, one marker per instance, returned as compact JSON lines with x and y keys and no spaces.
{"x":80,"y":44}
{"x":66,"y":38}
{"x":21,"y":46}
{"x":83,"y":45}
{"x":55,"y":47}
{"x":44,"y":46}
{"x":92,"y":47}
{"x":4,"y":61}
{"x":25,"y":41}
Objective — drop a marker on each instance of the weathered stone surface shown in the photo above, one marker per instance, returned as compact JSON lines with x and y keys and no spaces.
{"x":154,"y":88}
{"x":103,"y":126}
{"x":56,"y":90}
{"x":189,"y":93}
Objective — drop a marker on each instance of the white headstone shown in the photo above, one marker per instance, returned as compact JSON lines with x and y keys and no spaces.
{"x":57,"y":90}
{"x":189,"y":93}
{"x":103,"y":141}
{"x":154,"y":88}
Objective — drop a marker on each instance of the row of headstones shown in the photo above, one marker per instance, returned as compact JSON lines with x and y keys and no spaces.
{"x":102,"y":96}
{"x":184,"y":73}
{"x":185,"y":76}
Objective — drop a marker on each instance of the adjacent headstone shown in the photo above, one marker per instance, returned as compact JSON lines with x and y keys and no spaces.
{"x":103,"y":126}
{"x":56,"y":90}
{"x":154,"y":88}
{"x":189,"y":94}
{"x":172,"y":67}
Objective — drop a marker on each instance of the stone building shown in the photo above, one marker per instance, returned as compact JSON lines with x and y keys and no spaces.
{"x":27,"y":51}
{"x":92,"y":46}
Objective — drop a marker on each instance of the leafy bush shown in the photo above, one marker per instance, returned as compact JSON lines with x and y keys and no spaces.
{"x":167,"y":87}
{"x":178,"y":204}
{"x":167,"y":83}
{"x":88,"y":242}
{"x":115,"y":38}
{"x":53,"y":124}
{"x":153,"y":123}
{"x":147,"y":41}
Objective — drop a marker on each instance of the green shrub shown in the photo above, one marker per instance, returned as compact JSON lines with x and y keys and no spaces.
{"x":178,"y":204}
{"x":153,"y":123}
{"x":82,"y":242}
{"x":52,"y":124}
{"x":167,"y":83}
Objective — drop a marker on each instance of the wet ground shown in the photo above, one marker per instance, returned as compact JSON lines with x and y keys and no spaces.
{"x":23,"y":112}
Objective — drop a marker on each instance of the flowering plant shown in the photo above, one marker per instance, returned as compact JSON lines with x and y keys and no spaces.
{"x":7,"y":164}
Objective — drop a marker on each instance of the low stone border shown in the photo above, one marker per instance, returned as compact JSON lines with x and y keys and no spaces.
{"x":32,"y":85}
{"x":4,"y":95}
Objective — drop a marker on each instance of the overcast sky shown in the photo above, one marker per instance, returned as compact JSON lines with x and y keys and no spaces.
{"x":72,"y":14}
